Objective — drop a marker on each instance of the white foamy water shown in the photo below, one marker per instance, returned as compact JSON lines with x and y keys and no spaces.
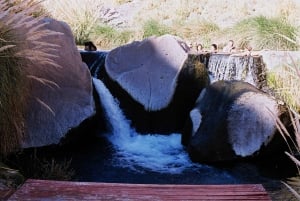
{"x":159,"y":153}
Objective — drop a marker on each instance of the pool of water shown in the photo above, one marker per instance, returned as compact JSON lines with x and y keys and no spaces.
{"x":122,"y":155}
{"x":98,"y":161}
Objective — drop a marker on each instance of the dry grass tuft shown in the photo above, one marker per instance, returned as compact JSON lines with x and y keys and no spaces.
{"x":35,"y":164}
{"x":286,"y":85}
{"x":81,"y":16}
{"x":294,"y":137}
{"x":21,"y":45}
{"x":293,"y":183}
{"x":262,"y":33}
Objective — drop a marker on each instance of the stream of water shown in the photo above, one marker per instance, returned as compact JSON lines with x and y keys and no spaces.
{"x":125,"y":156}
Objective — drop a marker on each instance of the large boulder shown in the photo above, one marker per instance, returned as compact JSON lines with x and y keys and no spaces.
{"x":156,"y":82}
{"x":60,"y":98}
{"x":232,"y":120}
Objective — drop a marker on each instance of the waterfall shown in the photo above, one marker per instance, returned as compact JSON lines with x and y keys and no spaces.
{"x":154,"y":152}
{"x":236,"y":67}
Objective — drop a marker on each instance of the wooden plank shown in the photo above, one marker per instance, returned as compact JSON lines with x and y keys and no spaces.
{"x":62,"y":190}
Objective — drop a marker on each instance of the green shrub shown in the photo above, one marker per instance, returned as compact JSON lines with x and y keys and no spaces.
{"x":154,"y":28}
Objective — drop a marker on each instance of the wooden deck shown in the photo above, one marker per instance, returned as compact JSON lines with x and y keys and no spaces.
{"x":60,"y":190}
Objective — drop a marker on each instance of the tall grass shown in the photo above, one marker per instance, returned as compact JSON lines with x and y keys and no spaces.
{"x":293,"y":183}
{"x":81,"y":15}
{"x":264,"y":33}
{"x":20,"y":46}
{"x":291,"y":87}
{"x":11,"y":94}
{"x":285,"y":82}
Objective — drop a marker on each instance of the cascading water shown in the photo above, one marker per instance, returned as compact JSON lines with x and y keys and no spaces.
{"x":123,"y":155}
{"x":237,"y":67}
{"x":159,"y":153}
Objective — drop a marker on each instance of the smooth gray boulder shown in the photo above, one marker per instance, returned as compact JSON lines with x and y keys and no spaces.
{"x":231,"y":120}
{"x":156,"y":82}
{"x":148,"y":69}
{"x":53,"y":109}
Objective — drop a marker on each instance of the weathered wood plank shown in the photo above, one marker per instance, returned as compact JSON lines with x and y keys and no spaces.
{"x":61,"y":190}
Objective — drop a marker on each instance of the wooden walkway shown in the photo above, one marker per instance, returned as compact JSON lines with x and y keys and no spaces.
{"x":38,"y":190}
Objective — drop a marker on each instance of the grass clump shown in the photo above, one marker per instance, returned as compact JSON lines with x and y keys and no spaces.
{"x":81,"y":16}
{"x":287,"y":79}
{"x":49,"y":169}
{"x":20,"y":47}
{"x":292,"y":183}
{"x":264,"y":33}
{"x":56,"y":170}
{"x":154,"y":28}
{"x":286,"y":84}
{"x":108,"y":37}
{"x":35,"y":164}
{"x":12,"y":82}
{"x":12,"y":92}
